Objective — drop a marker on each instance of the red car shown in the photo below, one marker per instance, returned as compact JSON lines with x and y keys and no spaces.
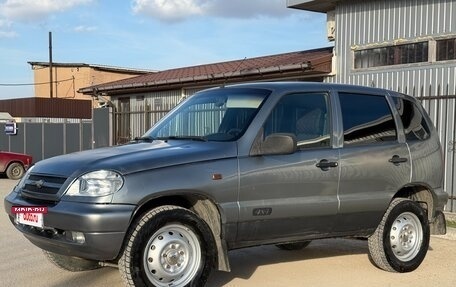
{"x":14,"y":164}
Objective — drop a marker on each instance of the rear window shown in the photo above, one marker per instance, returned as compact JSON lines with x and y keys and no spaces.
{"x":367,"y":119}
{"x":415,"y":125}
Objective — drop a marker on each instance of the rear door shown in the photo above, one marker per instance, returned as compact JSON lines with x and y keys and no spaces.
{"x":374,"y":160}
{"x":286,"y":196}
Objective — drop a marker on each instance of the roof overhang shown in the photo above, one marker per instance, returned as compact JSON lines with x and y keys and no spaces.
{"x":293,"y":65}
{"x":304,"y":70}
{"x":322,"y":6}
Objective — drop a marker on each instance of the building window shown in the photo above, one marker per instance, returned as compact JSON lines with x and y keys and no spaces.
{"x":392,"y":55}
{"x":446,"y":49}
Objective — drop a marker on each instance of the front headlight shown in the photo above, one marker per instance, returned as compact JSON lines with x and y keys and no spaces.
{"x":96,"y":183}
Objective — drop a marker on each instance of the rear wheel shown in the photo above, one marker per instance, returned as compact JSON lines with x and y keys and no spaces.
{"x":401,"y":240}
{"x":169,"y":246}
{"x":294,"y":245}
{"x":68,"y":263}
{"x":15,"y":171}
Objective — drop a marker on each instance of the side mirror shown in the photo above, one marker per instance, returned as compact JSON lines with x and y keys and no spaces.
{"x":276,"y":144}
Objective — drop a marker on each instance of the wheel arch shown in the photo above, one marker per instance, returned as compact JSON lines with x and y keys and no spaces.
{"x":421,"y":193}
{"x":204,"y":207}
{"x":14,"y":161}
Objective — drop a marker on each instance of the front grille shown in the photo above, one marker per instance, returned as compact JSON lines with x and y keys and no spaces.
{"x":40,"y":187}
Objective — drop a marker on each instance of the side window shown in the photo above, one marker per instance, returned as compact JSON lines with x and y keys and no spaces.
{"x":306,"y":115}
{"x":367,"y":119}
{"x":415,"y":125}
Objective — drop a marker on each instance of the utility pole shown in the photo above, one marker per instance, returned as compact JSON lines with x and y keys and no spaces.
{"x":50,"y":67}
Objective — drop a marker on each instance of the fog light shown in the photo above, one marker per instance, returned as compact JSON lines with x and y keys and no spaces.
{"x":75,"y":236}
{"x":78,"y":237}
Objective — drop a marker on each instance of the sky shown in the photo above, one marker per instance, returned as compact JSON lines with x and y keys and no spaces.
{"x":147,"y":34}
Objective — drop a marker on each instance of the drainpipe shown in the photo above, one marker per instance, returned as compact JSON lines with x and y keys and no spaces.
{"x":51,"y":92}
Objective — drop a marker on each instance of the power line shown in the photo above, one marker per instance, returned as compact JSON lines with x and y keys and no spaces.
{"x":35,"y":84}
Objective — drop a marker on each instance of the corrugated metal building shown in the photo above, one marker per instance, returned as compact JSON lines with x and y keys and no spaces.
{"x":407,"y":46}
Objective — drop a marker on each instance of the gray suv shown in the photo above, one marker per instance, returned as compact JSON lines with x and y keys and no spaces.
{"x":239,"y":166}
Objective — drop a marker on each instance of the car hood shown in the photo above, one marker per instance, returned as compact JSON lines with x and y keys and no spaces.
{"x":136,"y":157}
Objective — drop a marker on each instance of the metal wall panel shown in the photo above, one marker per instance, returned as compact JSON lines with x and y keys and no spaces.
{"x":50,"y":120}
{"x":102,"y":127}
{"x":190,"y":91}
{"x":4,"y":140}
{"x":54,"y":144}
{"x":34,"y":141}
{"x":72,"y":138}
{"x":363,"y":23}
{"x":44,"y":140}
{"x":145,"y":110}
{"x":372,"y":23}
{"x":15,"y":142}
{"x":86,"y":133}
{"x":46,"y":107}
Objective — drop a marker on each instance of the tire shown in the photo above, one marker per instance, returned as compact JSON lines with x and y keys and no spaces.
{"x":401,"y":240}
{"x":293,"y":246}
{"x":73,"y":264}
{"x":15,"y":171}
{"x":169,"y":245}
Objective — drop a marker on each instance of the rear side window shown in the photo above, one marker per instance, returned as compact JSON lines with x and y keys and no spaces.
{"x":367,"y":119}
{"x":415,"y":125}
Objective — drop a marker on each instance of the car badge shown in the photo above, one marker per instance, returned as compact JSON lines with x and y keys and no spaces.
{"x":38,"y":183}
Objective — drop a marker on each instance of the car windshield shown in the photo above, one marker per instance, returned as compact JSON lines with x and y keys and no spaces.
{"x":214,"y":115}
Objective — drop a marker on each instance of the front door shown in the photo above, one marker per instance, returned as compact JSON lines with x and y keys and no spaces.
{"x":296,"y":194}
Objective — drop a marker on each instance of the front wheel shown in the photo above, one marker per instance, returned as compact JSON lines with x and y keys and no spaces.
{"x":169,"y":246}
{"x":401,"y":241}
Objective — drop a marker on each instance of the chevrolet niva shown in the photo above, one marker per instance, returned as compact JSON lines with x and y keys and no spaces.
{"x":239,"y":166}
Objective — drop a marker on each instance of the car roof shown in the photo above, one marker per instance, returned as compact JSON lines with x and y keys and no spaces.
{"x":308,"y":85}
{"x":282,"y":87}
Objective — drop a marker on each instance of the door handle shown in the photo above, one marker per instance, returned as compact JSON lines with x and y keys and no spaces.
{"x":397,"y":160}
{"x":325,"y":164}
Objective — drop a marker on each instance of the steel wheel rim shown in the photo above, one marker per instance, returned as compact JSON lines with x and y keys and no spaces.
{"x":172,"y":256}
{"x":17,"y":170}
{"x":406,"y":236}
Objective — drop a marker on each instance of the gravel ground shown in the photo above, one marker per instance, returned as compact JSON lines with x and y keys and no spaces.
{"x":331,"y":262}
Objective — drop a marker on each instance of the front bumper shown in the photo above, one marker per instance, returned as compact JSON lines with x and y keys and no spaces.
{"x":104,"y":227}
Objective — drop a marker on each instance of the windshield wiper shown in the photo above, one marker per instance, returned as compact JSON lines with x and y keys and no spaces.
{"x":193,"y":138}
{"x":143,"y":139}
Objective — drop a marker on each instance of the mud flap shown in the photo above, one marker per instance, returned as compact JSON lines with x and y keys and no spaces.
{"x":438,"y":224}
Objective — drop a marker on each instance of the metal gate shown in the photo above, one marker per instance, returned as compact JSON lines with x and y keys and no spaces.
{"x":43,"y":138}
